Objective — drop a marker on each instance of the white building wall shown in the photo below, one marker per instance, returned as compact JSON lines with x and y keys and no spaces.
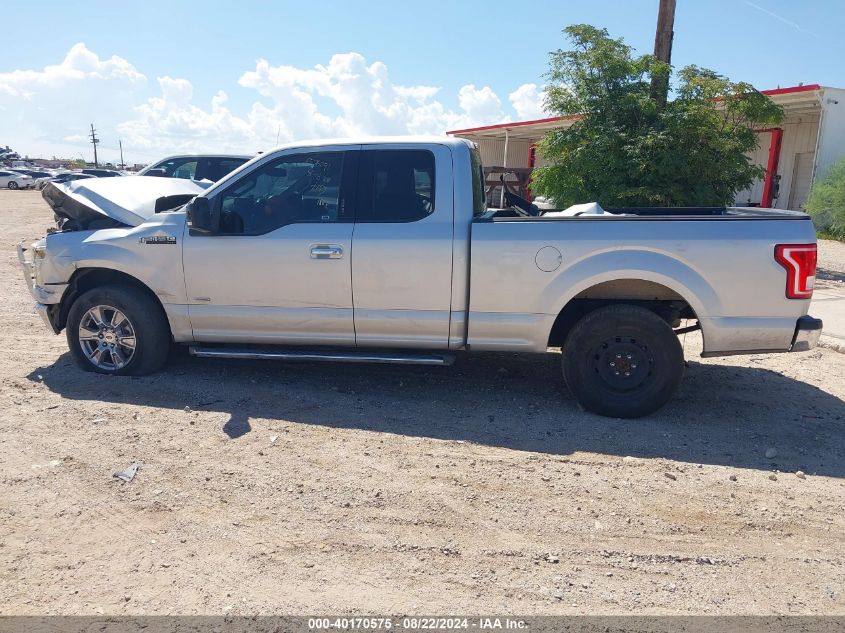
{"x":800,"y":133}
{"x":760,"y":156}
{"x":832,"y":137}
{"x":799,"y":136}
{"x":492,"y":152}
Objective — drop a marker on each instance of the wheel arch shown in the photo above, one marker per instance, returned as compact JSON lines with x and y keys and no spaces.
{"x":654,"y":279}
{"x":85,"y":279}
{"x":664,"y":301}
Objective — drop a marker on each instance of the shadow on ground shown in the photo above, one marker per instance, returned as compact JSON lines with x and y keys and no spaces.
{"x":825,"y":274}
{"x":722,"y":415}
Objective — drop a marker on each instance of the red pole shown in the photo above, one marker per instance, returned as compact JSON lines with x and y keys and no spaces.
{"x":532,"y":158}
{"x":772,"y":167}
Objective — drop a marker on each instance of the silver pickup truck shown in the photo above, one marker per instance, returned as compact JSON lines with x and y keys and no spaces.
{"x":382,"y":250}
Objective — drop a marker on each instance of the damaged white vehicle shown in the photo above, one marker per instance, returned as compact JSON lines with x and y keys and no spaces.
{"x":382,"y":250}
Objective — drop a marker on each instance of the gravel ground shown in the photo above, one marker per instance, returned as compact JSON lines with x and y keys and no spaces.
{"x":831,"y":258}
{"x":280,"y":488}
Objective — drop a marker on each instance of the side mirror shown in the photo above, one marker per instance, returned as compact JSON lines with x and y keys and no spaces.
{"x":156,"y":172}
{"x":204,"y":220}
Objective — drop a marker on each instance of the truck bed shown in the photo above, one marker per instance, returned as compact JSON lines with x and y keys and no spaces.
{"x":663,"y":213}
{"x":719,"y":261}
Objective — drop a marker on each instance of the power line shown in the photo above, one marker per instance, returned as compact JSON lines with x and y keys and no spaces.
{"x":94,"y":141}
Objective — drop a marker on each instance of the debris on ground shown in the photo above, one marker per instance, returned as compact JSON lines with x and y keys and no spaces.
{"x":128,"y":474}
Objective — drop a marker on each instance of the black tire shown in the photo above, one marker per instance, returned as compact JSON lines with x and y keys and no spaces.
{"x":147,"y":323}
{"x":622,"y":361}
{"x":12,"y":185}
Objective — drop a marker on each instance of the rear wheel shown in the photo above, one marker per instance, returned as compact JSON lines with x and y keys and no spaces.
{"x":12,"y":184}
{"x":118,"y":330}
{"x":622,"y":361}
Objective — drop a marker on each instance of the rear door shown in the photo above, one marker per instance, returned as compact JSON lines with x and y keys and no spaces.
{"x":402,"y":246}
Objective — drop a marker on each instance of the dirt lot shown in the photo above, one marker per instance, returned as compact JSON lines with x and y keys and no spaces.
{"x":479,"y":488}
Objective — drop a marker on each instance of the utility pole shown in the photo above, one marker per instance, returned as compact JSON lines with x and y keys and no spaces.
{"x":122,"y":164}
{"x":94,"y":141}
{"x":663,"y":49}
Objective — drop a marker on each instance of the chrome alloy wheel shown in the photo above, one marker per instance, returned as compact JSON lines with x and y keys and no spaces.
{"x":107,"y":337}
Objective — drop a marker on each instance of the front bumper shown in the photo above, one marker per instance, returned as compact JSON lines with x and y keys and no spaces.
{"x":45,"y":299}
{"x":807,"y":333}
{"x":47,"y":314}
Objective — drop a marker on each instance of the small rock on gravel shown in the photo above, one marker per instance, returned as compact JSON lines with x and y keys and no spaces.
{"x":670,"y":476}
{"x":800,"y":474}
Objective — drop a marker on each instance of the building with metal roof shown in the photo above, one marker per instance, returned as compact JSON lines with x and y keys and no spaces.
{"x":807,"y":142}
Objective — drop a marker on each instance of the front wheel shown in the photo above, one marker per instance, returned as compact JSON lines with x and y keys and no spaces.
{"x":12,"y":184}
{"x":622,"y":361}
{"x":118,"y":330}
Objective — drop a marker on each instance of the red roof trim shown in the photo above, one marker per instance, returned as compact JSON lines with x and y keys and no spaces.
{"x":501,"y":126}
{"x":784,"y":91}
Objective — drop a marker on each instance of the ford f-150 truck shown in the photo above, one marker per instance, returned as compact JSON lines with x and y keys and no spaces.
{"x":382,"y":250}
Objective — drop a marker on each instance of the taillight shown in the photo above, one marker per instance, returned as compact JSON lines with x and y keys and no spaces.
{"x":800,"y":263}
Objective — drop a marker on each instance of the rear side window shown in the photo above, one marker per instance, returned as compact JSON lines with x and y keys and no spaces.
{"x":216,"y":168}
{"x":395,"y":186}
{"x":479,"y":200}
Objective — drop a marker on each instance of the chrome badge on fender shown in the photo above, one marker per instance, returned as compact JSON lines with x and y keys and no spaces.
{"x":158,"y":239}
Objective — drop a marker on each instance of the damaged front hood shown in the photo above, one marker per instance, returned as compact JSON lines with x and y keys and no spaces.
{"x":124,"y":201}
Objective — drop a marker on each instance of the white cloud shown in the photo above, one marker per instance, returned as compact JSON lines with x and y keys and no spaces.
{"x":53,"y":107}
{"x":527,"y":101}
{"x":348,"y":96}
{"x":172,"y":123}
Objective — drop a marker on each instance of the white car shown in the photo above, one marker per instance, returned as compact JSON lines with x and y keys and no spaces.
{"x":14,"y":180}
{"x":61,"y":176}
{"x":211,"y":167}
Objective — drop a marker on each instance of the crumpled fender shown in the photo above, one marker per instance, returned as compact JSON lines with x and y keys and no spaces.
{"x":151,"y":253}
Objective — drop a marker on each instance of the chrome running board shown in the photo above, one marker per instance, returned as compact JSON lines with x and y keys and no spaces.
{"x":311,"y":355}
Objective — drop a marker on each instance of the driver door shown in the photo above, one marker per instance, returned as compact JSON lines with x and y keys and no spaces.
{"x":278,"y":271}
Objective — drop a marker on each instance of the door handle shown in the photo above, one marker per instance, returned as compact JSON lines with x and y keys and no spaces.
{"x":326,"y":251}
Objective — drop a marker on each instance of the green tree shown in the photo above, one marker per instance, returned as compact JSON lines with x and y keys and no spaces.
{"x":827,"y":201}
{"x":625,"y":149}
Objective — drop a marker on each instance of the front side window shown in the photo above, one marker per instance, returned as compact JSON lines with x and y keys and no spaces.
{"x":179,"y":168}
{"x":396,"y":186}
{"x":303,"y":188}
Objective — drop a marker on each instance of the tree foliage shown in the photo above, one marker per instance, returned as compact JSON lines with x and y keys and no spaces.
{"x":624,"y":149}
{"x":827,"y":201}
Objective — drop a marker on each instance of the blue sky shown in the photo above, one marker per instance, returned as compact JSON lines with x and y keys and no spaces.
{"x":494,"y":47}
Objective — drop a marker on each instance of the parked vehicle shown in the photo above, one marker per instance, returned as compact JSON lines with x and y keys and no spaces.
{"x":14,"y":180}
{"x":102,"y":173}
{"x":383,"y":251}
{"x":33,"y":173}
{"x":61,"y":178}
{"x":210,"y":167}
